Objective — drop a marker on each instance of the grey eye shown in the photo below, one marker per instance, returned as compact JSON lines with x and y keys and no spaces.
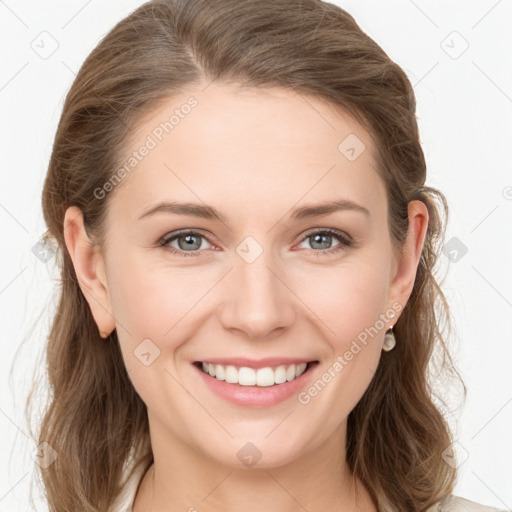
{"x":321,"y":240}
{"x":186,"y":241}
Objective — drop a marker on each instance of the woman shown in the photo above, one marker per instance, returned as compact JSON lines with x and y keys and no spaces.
{"x":247,"y":243}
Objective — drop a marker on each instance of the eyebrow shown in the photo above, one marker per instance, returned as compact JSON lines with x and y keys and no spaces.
{"x":209,"y":212}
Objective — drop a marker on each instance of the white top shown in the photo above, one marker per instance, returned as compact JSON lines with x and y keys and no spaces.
{"x":451,"y":503}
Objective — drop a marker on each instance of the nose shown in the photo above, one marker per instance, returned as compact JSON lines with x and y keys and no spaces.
{"x":258,"y":301}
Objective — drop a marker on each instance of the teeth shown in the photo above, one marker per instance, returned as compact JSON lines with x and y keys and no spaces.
{"x":262,"y":377}
{"x":219,"y":372}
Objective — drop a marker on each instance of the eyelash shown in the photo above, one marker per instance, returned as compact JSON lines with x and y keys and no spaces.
{"x":345,"y":242}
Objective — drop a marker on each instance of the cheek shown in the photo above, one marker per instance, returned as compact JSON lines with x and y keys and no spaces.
{"x":148,"y":297}
{"x":150,"y":305}
{"x":347,"y":303}
{"x":347,"y":299}
{"x":159,"y":302}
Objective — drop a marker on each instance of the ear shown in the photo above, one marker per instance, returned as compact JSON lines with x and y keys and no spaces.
{"x":407,"y":265}
{"x":89,"y":268}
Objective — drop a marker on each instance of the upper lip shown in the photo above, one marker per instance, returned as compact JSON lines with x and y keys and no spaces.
{"x":256,"y":363}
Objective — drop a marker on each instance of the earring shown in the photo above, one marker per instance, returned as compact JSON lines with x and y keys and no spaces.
{"x":104,"y":334}
{"x":389,"y":340}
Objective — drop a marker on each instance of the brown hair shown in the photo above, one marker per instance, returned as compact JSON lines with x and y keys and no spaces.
{"x":95,"y":420}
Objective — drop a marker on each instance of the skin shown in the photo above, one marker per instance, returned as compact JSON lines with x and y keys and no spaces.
{"x":253,"y":155}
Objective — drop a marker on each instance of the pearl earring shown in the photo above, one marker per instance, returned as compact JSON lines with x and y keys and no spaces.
{"x":389,"y":340}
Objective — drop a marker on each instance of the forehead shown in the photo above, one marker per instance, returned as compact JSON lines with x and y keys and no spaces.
{"x":249,"y":149}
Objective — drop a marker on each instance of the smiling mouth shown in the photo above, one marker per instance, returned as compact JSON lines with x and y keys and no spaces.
{"x":260,"y":377}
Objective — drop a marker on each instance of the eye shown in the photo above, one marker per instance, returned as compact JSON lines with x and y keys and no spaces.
{"x":189,"y":243}
{"x":323,"y":240}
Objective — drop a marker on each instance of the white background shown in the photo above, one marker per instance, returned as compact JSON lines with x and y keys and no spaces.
{"x":465,"y":119}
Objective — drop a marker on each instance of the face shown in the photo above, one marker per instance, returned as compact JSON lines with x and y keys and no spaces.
{"x":250,"y":270}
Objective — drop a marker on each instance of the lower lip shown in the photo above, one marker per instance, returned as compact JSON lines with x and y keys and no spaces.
{"x":256,"y":396}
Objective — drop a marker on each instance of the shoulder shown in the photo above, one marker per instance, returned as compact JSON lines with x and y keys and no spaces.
{"x":453,"y":503}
